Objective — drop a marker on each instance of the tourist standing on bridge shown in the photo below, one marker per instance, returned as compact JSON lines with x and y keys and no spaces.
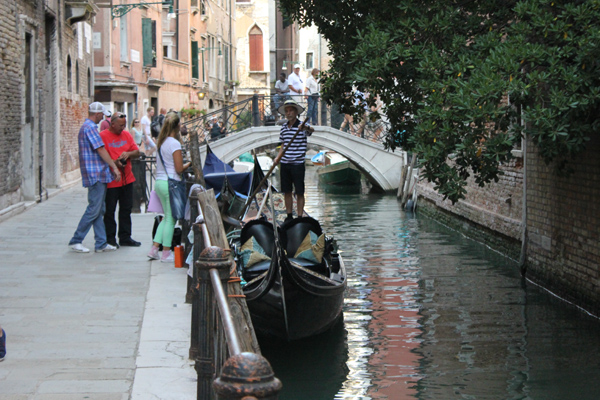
{"x":312,"y":90}
{"x":295,"y":83}
{"x":292,"y":161}
{"x":282,"y":91}
{"x":96,"y":165}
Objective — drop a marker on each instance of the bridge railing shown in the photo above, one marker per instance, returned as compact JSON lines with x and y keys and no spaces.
{"x":261,"y":110}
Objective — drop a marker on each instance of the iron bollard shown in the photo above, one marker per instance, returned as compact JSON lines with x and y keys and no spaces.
{"x":207,"y":358}
{"x":247,"y":376}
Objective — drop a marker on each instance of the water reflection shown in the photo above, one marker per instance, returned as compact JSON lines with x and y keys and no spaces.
{"x":432,"y":315}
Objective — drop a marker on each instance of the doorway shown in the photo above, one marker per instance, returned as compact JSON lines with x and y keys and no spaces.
{"x":27,"y":141}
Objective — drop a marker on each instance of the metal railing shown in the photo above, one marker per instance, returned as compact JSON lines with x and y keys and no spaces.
{"x":261,"y":110}
{"x":224,"y":370}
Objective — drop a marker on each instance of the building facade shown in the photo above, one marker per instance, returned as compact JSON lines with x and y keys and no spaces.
{"x":177,"y":56}
{"x":46,"y":85}
{"x":252,"y":38}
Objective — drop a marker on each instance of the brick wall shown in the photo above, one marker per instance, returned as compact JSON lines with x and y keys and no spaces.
{"x":491,"y":214}
{"x":563,"y":222}
{"x":17,"y":19}
{"x":74,"y":102}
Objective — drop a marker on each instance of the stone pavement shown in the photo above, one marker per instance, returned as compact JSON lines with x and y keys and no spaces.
{"x":100,"y":326}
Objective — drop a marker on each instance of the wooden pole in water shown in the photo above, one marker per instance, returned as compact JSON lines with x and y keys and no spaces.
{"x":402,"y":179}
{"x":409,"y":178}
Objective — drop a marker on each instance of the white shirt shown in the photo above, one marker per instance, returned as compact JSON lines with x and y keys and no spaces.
{"x":282,"y":86}
{"x":169,"y":146}
{"x":295,"y":81}
{"x":145,"y":121}
{"x":312,"y":85}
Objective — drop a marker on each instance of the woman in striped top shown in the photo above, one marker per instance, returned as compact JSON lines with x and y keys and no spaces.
{"x":292,"y":161}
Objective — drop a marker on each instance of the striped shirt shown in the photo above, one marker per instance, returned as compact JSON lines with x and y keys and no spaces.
{"x":93,"y":168}
{"x":296,"y":152}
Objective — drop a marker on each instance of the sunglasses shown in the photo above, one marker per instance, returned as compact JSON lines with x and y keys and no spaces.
{"x":119,"y":115}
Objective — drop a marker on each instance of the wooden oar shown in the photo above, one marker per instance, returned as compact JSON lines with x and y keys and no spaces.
{"x":277,"y":160}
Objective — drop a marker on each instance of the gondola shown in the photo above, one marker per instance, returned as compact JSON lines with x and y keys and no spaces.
{"x":290,"y":297}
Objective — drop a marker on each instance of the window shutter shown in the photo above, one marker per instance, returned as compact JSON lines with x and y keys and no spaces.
{"x":195,"y":71}
{"x":147,"y":41}
{"x":256,"y":52}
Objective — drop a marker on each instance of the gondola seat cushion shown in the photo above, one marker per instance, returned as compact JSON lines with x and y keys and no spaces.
{"x":312,"y":248}
{"x":252,"y":253}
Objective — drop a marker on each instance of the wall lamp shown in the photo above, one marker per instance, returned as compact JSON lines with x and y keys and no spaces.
{"x":122,"y":9}
{"x":174,"y":13}
{"x":201,"y":94}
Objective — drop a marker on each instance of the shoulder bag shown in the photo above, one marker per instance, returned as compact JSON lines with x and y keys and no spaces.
{"x":177,"y":193}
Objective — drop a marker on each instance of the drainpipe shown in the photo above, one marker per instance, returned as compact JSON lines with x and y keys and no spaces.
{"x":40,"y":145}
{"x":523,"y":256}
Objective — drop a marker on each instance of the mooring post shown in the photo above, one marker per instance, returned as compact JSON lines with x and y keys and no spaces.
{"x":193,"y":285}
{"x":212,"y":257}
{"x":246,"y":376}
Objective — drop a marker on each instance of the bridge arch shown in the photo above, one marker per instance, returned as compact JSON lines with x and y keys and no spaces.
{"x":380,"y":166}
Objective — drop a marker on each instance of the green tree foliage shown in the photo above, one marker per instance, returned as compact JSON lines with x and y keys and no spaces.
{"x":446,"y":69}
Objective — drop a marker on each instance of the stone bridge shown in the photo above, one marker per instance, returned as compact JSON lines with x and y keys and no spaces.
{"x":381,"y":167}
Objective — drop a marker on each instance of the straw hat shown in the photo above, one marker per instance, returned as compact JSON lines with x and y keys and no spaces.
{"x":290,"y":103}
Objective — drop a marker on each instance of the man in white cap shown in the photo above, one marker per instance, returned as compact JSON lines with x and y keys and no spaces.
{"x":292,"y":161}
{"x":295,"y":83}
{"x":96,"y":166}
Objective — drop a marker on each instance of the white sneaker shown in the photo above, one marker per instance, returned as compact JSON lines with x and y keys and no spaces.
{"x":108,"y":247}
{"x":167,"y":257}
{"x":79,"y":248}
{"x":153,"y":253}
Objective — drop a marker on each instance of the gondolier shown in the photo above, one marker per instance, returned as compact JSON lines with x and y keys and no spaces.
{"x":292,"y":159}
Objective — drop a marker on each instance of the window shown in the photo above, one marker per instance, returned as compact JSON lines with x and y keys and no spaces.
{"x":256,"y":49}
{"x":226,"y":63}
{"x":123,"y":38}
{"x":69,"y":73}
{"x":309,"y":61}
{"x":77,"y":77}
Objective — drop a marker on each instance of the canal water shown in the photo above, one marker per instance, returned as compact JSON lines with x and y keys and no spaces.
{"x":430,"y":314}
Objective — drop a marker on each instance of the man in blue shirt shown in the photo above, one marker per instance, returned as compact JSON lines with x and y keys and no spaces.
{"x":292,"y":161}
{"x":96,"y":165}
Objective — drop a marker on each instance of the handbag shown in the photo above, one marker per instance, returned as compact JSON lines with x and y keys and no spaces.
{"x":155,"y":205}
{"x":177,"y":193}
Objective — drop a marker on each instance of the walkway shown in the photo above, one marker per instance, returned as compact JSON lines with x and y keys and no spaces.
{"x":107,"y":326}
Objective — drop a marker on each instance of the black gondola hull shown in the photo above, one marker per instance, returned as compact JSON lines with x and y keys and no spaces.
{"x":292,"y":301}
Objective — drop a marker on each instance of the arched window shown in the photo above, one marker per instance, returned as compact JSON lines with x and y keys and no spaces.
{"x":69,"y":75}
{"x":256,"y":49}
{"x":89,"y":83}
{"x":77,"y":76}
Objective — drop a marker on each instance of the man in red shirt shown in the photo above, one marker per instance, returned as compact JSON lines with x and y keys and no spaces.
{"x":121,"y":147}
